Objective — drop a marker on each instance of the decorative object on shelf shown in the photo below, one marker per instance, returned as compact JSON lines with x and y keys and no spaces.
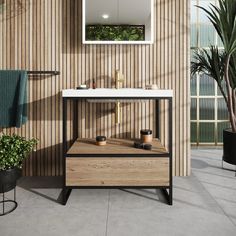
{"x":13,"y":150}
{"x":82,"y":86}
{"x":147,"y":146}
{"x":146,"y":135}
{"x":101,"y":140}
{"x":94,"y":84}
{"x":221,"y":66}
{"x":138,"y":145}
{"x":151,"y":87}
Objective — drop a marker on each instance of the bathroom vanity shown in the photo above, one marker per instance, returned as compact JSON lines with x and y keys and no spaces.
{"x":118,"y":164}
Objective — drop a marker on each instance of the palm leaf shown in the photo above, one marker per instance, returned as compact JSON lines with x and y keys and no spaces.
{"x":221,"y":66}
{"x":223,"y":19}
{"x":209,"y":62}
{"x":232,"y":71}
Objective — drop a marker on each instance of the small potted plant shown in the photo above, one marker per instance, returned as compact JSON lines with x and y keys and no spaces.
{"x":221,"y":66}
{"x":13,"y":150}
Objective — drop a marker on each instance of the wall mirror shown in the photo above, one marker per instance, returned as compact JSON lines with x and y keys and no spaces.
{"x":118,"y":21}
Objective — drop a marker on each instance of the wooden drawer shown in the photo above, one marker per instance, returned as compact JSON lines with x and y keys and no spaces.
{"x":117,"y":171}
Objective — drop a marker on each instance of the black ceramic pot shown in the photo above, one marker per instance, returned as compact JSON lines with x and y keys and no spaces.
{"x":8,"y":179}
{"x":229,"y":140}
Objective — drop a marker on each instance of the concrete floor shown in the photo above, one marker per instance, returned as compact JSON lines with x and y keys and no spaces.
{"x":204,"y":204}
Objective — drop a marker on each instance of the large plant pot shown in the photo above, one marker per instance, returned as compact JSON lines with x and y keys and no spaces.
{"x":8,"y":179}
{"x":229,"y":140}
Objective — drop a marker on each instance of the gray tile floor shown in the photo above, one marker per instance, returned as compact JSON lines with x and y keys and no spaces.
{"x":204,"y":204}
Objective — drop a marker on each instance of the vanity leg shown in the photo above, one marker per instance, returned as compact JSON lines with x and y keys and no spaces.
{"x":75,"y":120}
{"x":158,"y":118}
{"x":170,"y":151}
{"x":65,"y":195}
{"x":64,"y":200}
{"x":170,"y":196}
{"x":64,"y":128}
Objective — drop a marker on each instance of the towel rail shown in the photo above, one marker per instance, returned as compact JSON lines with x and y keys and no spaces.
{"x":38,"y":72}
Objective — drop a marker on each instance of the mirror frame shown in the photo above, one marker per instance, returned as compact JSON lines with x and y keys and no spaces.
{"x":116,"y":42}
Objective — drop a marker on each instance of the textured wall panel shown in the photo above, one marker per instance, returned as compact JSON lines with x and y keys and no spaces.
{"x":46,"y":35}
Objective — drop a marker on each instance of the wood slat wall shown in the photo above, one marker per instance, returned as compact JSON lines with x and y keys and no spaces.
{"x":46,"y":35}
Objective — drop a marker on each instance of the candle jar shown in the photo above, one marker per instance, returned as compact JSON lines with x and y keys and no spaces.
{"x":101,"y":140}
{"x":146,"y":135}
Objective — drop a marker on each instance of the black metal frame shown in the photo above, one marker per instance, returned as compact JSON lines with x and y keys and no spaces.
{"x":4,"y":201}
{"x":39,"y":72}
{"x":67,"y":189}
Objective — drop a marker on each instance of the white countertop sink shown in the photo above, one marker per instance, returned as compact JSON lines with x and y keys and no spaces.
{"x":117,"y":93}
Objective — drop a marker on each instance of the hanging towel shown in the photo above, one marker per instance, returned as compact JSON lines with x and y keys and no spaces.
{"x":13,"y":98}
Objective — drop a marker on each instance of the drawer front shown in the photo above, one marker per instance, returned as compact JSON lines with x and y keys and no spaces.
{"x":117,"y":171}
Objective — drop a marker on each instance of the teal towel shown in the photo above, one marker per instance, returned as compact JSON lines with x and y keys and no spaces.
{"x":13,"y":98}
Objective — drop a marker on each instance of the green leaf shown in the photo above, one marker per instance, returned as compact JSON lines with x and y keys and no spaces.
{"x":210,"y":63}
{"x":14,"y":149}
{"x":115,"y":32}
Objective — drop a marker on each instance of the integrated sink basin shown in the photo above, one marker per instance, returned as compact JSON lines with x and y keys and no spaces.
{"x":115,"y":95}
{"x":125,"y":92}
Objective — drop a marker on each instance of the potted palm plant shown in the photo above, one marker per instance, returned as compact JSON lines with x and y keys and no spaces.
{"x":13,"y":150}
{"x":221,"y":66}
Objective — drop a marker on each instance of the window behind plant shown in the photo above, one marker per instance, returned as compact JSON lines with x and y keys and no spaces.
{"x":208,"y":111}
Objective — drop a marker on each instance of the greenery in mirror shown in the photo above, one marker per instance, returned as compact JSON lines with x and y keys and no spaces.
{"x":14,"y":149}
{"x":221,"y":64}
{"x":2,"y":5}
{"x":115,"y":32}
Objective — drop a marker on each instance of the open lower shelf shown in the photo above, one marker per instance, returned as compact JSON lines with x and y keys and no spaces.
{"x":115,"y":147}
{"x":118,"y":164}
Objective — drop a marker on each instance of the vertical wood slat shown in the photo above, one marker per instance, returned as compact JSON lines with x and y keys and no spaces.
{"x":46,"y":35}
